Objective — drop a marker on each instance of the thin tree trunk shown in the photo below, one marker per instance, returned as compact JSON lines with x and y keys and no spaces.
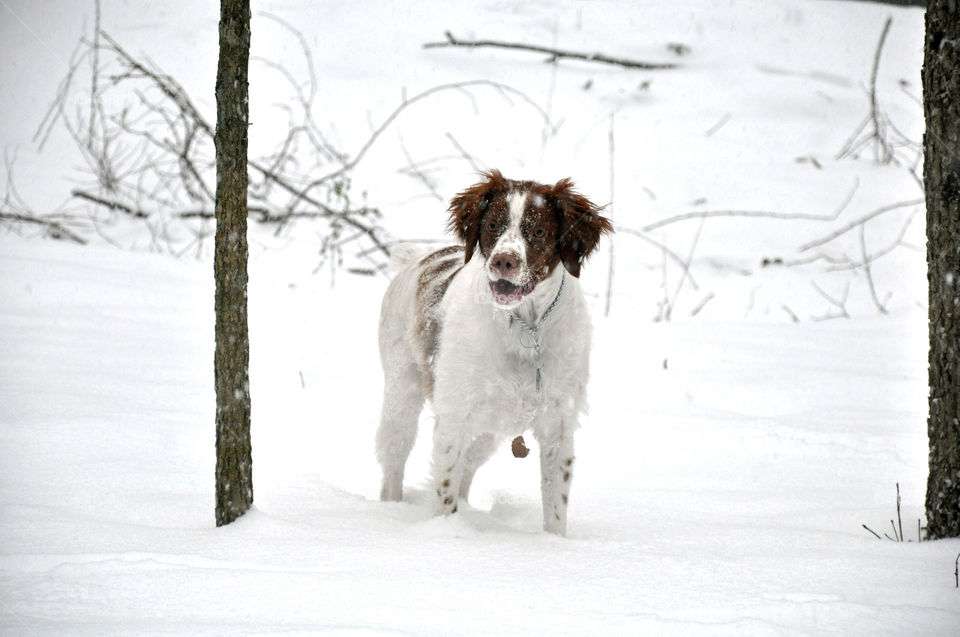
{"x":941,"y":105}
{"x":234,"y":475}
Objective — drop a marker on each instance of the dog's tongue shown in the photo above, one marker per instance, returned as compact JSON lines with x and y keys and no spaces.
{"x":506,"y":292}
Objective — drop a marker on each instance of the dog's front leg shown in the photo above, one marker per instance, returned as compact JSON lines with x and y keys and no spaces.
{"x":448,"y":460}
{"x":556,"y":474}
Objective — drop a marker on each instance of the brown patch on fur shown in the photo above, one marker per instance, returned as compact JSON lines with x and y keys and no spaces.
{"x":438,"y":270}
{"x":542,"y":232}
{"x":581,"y":225}
{"x":467,"y":209}
{"x":442,"y":253}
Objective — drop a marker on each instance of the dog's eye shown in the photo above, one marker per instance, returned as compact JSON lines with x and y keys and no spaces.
{"x":538,"y":233}
{"x":492,"y":226}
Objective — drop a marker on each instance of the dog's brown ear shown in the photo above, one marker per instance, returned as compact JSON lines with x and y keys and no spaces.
{"x":467,"y":208}
{"x":581,"y":225}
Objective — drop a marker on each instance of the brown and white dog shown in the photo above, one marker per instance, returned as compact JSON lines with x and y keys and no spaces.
{"x":496,"y":334}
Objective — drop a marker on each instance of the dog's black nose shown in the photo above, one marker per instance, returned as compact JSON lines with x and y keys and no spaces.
{"x":505,"y":263}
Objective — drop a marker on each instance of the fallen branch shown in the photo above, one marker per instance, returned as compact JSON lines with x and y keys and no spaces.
{"x":266,"y":215}
{"x":110,"y":204}
{"x":57,"y":229}
{"x":263,"y":213}
{"x":554,"y":54}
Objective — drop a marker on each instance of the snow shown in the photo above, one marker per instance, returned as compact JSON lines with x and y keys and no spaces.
{"x":729,"y":458}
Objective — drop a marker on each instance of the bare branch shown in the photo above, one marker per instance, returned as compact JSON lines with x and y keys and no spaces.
{"x":165,"y":83}
{"x":885,"y":144}
{"x":867,"y":269}
{"x":686,"y":270}
{"x":414,"y":169}
{"x":793,"y":315}
{"x":853,"y":265}
{"x":57,"y":229}
{"x":704,"y":214}
{"x":265,"y":214}
{"x":840,"y":304}
{"x":859,"y":222}
{"x":871,"y":531}
{"x":640,"y":234}
{"x":407,"y":102}
{"x":884,"y":154}
{"x":702,"y":304}
{"x":95,"y":73}
{"x":463,"y":153}
{"x":720,"y":124}
{"x":112,"y":205}
{"x":764,"y":214}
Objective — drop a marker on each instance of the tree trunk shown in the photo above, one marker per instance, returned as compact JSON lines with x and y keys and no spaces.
{"x":941,"y":176}
{"x":234,"y":467}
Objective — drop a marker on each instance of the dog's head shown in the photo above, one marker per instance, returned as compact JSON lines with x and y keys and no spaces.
{"x":524,"y":230}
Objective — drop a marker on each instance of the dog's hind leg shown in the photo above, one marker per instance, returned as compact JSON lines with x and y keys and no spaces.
{"x":402,"y":402}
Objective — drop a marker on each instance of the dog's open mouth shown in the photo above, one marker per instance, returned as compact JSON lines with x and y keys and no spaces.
{"x":507,"y":293}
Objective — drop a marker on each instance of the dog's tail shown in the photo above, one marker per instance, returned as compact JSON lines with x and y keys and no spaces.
{"x":403,"y":254}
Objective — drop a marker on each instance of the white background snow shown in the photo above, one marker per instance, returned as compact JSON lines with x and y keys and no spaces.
{"x":729,"y":458}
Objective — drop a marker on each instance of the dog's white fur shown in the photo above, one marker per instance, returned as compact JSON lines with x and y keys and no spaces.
{"x":483,"y":376}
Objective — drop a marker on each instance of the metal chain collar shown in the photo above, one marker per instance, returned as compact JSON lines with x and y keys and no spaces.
{"x":535,"y":331}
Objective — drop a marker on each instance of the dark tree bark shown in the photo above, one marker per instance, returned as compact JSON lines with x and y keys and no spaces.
{"x":234,"y":474}
{"x":941,"y":176}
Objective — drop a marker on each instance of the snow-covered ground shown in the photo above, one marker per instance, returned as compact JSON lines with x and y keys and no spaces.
{"x":731,"y":455}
